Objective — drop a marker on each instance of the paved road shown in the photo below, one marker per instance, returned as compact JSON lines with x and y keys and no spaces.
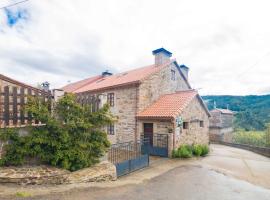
{"x":226,"y":174}
{"x":185,"y":183}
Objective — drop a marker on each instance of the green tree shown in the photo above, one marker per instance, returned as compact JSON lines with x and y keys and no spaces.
{"x":71,"y":138}
{"x":267,"y":135}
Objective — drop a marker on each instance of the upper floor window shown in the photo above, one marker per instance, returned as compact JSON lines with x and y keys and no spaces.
{"x":201,"y":124}
{"x":110,"y":129}
{"x":110,"y":99}
{"x":185,"y":125}
{"x":172,"y":75}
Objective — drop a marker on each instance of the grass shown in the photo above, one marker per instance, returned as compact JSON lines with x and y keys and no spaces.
{"x":23,"y":194}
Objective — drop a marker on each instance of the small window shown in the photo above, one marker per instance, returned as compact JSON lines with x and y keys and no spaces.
{"x":185,"y":125}
{"x":110,"y":129}
{"x":110,"y":99}
{"x":173,"y":75}
{"x":201,"y":124}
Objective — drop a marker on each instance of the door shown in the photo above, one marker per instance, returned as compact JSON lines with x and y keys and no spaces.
{"x":148,"y":132}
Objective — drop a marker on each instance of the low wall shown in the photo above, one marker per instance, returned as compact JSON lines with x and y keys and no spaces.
{"x":260,"y":150}
{"x":44,"y":175}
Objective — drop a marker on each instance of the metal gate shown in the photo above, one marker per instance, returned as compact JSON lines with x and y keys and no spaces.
{"x":128,"y":157}
{"x":157,"y":147}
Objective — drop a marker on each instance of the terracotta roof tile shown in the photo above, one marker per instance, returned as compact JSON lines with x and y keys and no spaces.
{"x":169,"y":106}
{"x":128,"y":77}
{"x":74,"y":86}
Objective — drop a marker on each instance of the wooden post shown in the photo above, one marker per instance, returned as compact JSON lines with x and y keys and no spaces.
{"x":6,"y":105}
{"x":29,"y":116}
{"x":22,"y":115}
{"x":15,"y":106}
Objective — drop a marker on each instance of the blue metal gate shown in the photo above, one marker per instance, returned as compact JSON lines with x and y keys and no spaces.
{"x":128,"y":157}
{"x":157,"y":147}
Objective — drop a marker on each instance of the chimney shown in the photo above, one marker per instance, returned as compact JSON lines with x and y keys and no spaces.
{"x":106,"y":73}
{"x":185,"y":70}
{"x":161,"y":56}
{"x":45,"y":86}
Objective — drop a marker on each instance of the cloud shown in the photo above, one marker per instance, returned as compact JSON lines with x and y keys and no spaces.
{"x":57,"y":41}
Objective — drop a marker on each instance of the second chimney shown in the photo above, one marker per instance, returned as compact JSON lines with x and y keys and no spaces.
{"x":161,"y":56}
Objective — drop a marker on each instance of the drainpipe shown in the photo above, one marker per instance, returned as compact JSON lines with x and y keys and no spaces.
{"x":173,"y":122}
{"x":136,"y":112}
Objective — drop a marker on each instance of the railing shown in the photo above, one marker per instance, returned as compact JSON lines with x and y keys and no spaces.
{"x":265,"y":151}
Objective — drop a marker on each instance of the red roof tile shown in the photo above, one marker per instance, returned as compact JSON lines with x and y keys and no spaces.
{"x":74,"y":86}
{"x":169,"y":106}
{"x":128,"y":77}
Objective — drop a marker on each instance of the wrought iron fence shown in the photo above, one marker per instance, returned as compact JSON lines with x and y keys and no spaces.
{"x":124,"y":151}
{"x":128,"y":157}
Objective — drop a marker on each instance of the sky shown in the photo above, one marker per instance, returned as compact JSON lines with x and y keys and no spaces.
{"x":226,"y":44}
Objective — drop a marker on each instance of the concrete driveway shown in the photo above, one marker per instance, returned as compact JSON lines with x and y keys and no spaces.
{"x":227,"y":173}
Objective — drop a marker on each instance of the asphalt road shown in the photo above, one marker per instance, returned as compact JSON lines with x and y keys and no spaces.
{"x":182,"y":183}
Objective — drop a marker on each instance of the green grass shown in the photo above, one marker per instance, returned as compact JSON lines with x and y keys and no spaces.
{"x":23,"y":194}
{"x":255,"y":138}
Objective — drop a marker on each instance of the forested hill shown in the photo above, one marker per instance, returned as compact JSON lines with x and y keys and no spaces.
{"x":253,"y":111}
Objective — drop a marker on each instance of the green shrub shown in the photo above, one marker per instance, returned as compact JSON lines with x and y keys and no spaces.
{"x":72,"y":138}
{"x":205,"y":150}
{"x":197,"y":150}
{"x":185,"y":151}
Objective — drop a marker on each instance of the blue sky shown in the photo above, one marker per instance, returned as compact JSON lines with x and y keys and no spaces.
{"x":225,"y":44}
{"x":15,"y":16}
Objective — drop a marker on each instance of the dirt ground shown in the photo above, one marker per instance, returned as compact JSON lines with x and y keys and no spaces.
{"x":227,"y":173}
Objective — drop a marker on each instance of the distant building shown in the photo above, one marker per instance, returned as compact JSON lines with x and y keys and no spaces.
{"x":221,"y":124}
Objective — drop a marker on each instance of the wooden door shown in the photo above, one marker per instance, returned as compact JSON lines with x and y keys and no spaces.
{"x":148,"y":132}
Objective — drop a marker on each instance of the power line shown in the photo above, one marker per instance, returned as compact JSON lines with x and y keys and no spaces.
{"x":13,"y":4}
{"x":253,"y":65}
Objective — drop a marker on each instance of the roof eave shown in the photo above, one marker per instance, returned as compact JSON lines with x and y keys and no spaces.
{"x":109,"y":87}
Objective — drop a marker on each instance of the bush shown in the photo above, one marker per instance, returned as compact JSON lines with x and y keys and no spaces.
{"x":205,"y":150}
{"x":185,"y":151}
{"x":197,"y":150}
{"x":72,"y":138}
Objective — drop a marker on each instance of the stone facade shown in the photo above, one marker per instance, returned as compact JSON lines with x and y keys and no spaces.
{"x":194,"y":114}
{"x":221,"y":125}
{"x":133,"y":98}
{"x":159,"y":84}
{"x":43,"y":175}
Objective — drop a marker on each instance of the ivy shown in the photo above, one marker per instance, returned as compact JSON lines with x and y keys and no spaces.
{"x":72,"y":137}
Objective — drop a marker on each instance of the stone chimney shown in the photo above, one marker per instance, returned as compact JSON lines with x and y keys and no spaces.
{"x":161,"y":56}
{"x":185,"y":70}
{"x":45,"y":86}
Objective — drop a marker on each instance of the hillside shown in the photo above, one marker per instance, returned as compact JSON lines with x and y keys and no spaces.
{"x":253,"y":111}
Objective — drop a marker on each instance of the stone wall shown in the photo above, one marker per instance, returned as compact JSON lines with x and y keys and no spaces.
{"x":124,"y":109}
{"x":195,"y":134}
{"x":43,"y":175}
{"x":158,"y":84}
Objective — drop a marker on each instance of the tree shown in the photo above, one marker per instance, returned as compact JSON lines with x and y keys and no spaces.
{"x":267,"y":135}
{"x":71,"y":138}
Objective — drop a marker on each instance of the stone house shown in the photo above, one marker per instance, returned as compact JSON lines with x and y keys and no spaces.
{"x":149,"y":101}
{"x":221,"y":125}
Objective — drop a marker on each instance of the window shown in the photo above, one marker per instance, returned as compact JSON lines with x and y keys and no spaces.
{"x":201,"y":124}
{"x":110,"y":99}
{"x":110,"y":129}
{"x":185,"y":125}
{"x":173,"y":75}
